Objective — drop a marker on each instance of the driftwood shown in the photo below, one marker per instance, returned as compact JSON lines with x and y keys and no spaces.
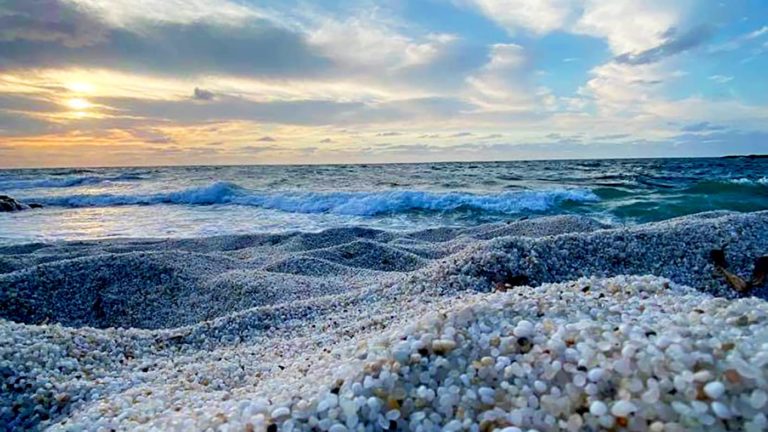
{"x":759,"y":273}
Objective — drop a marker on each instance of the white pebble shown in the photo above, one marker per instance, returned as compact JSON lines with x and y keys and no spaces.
{"x":280,"y":412}
{"x":758,"y":399}
{"x":714,"y":389}
{"x":721,"y":410}
{"x":622,"y":408}
{"x":595,"y":374}
{"x":598,"y":409}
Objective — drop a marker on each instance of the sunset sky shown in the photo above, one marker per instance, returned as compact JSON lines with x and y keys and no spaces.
{"x":151,"y":82}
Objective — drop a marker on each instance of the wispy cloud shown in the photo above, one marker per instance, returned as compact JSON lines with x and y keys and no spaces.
{"x":721,"y":79}
{"x":611,"y":137}
{"x":701,"y":127}
{"x":202,"y":94}
{"x":674,"y":43}
{"x":757,"y":33}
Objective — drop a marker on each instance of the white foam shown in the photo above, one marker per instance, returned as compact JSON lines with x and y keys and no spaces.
{"x":62,"y":182}
{"x":746,"y":181}
{"x":343,"y":203}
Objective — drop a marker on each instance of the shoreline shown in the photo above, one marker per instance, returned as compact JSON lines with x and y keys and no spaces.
{"x":258,"y":330}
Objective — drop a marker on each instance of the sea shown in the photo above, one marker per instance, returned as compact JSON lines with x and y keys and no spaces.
{"x":193,"y":201}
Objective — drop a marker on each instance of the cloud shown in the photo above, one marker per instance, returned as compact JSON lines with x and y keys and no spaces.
{"x":29,"y":103}
{"x":537,"y":16}
{"x":501,"y":83}
{"x":721,"y":79}
{"x":202,"y":94}
{"x":266,"y":139}
{"x":258,"y":149}
{"x":627,"y":25}
{"x":19,"y":124}
{"x":406,"y":148}
{"x":367,"y":42}
{"x":757,"y":33}
{"x":136,"y":13}
{"x":630,"y":25}
{"x":48,"y":21}
{"x":492,"y":136}
{"x":229,"y":108}
{"x":388,"y":134}
{"x":161,"y":140}
{"x":326,"y":141}
{"x":625,"y":89}
{"x":461,"y":134}
{"x":672,"y":45}
{"x":611,"y":137}
{"x":256,"y":47}
{"x":739,"y":41}
{"x":701,"y":127}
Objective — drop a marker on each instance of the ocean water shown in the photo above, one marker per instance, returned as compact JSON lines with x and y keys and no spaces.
{"x":214,"y":200}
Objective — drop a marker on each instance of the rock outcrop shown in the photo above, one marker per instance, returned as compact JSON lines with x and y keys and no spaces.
{"x":9,"y":204}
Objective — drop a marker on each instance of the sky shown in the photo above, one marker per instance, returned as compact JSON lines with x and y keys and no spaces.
{"x":186,"y":82}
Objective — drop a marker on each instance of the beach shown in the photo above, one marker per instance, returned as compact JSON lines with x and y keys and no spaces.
{"x":346,"y":216}
{"x":545,"y":323}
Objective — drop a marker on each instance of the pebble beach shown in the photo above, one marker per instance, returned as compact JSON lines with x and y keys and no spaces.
{"x":545,"y":324}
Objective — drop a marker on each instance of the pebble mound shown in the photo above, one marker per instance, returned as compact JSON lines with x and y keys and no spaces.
{"x":425,"y":347}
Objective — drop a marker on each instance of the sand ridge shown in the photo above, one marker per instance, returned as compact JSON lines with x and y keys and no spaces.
{"x":221,"y":332}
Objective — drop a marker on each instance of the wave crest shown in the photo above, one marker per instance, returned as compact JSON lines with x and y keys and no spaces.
{"x":343,"y":203}
{"x":64,"y":182}
{"x":745,"y":181}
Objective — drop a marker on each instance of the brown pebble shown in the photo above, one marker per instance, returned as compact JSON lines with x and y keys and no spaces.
{"x":732,"y":376}
{"x":392,"y":403}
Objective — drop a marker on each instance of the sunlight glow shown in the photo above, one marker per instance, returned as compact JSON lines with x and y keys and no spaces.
{"x":78,"y":104}
{"x":80,"y":87}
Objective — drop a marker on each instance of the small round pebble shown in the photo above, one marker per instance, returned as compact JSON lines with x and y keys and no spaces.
{"x":622,"y":408}
{"x":714,"y":389}
{"x":598,"y":409}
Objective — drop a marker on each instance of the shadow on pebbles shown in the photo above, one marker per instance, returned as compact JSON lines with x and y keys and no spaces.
{"x":557,"y":323}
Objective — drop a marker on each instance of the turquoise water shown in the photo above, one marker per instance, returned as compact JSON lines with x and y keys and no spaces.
{"x":194,"y":201}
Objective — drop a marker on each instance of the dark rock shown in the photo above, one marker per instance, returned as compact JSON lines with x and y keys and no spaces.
{"x":8,"y":204}
{"x":760,"y":273}
{"x":718,"y":258}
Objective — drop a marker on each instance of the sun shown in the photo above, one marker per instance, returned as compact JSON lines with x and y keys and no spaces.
{"x":78,"y":104}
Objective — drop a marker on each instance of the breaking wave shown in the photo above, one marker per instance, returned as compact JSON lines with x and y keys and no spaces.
{"x":64,"y":182}
{"x":745,"y":181}
{"x":347,"y":203}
